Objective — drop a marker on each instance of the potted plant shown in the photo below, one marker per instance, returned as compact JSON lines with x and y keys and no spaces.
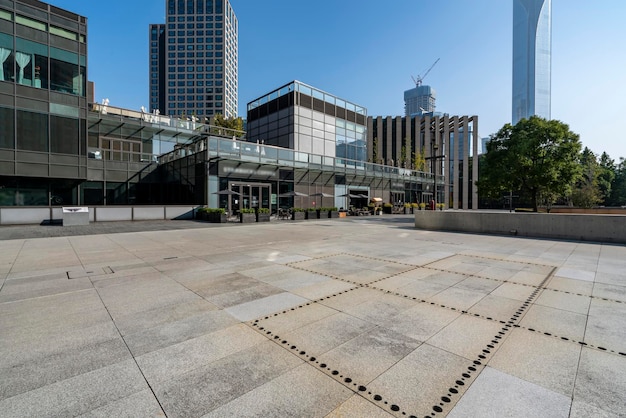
{"x":263,"y":215}
{"x":414,"y":207}
{"x":322,"y":213}
{"x":440,"y":206}
{"x":422,"y":206}
{"x":407,"y":208}
{"x":247,"y":215}
{"x":387,"y":208}
{"x":298,"y":214}
{"x":214,"y":215}
{"x":333,"y":212}
{"x":311,"y":213}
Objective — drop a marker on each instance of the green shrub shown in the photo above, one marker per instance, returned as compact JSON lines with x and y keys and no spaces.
{"x":297,"y":210}
{"x":312,"y":209}
{"x":414,"y":205}
{"x":407,"y":205}
{"x":264,"y":210}
{"x":332,"y":209}
{"x":245,"y":210}
{"x":212,"y":210}
{"x":387,"y":205}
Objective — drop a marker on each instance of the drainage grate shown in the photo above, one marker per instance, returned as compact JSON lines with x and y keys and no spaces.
{"x":81,"y":273}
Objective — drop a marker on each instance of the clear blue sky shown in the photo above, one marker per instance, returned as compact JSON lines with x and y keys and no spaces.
{"x":366,"y":51}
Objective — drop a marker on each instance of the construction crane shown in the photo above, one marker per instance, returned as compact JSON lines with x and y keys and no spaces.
{"x":419,"y":79}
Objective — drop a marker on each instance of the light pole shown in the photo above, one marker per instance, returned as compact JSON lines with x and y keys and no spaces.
{"x":434,"y":157}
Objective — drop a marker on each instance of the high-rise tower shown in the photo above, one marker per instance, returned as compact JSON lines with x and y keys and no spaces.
{"x":532,"y":56}
{"x":419,"y":100}
{"x":194,"y":59}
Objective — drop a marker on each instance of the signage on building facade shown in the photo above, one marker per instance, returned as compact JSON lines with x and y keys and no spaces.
{"x":247,"y":171}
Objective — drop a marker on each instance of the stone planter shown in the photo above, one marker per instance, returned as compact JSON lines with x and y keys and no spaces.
{"x":333,"y":214}
{"x":216,"y":218}
{"x":213,"y":217}
{"x":298,"y":216}
{"x":262,"y":217}
{"x":322,"y":214}
{"x":387,"y":209}
{"x":247,"y":217}
{"x":311,"y":214}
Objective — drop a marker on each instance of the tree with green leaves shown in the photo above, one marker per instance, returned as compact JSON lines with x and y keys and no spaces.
{"x":419,"y":160}
{"x":587,"y":193}
{"x":606,"y":176}
{"x":618,"y":185}
{"x":537,"y":158}
{"x":235,"y":124}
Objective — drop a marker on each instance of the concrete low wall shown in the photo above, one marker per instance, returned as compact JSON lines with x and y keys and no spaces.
{"x":604,"y":228}
{"x":37,"y":215}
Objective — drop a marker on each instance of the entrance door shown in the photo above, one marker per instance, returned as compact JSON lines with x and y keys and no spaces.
{"x":252,"y":196}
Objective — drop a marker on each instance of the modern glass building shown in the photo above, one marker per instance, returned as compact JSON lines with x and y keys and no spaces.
{"x":43,"y":103}
{"x":532,"y":58}
{"x":306,"y":119}
{"x":194,"y":60}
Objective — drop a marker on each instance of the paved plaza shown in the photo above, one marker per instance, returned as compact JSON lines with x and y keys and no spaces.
{"x":355,"y":317}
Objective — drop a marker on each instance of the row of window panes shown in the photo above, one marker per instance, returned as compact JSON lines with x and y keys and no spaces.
{"x":36,"y":65}
{"x":35,"y":24}
{"x":191,"y":98}
{"x":190,"y":55}
{"x":196,"y":48}
{"x":192,"y":76}
{"x":172,"y":30}
{"x":199,"y":112}
{"x":183,"y":105}
{"x":196,"y":18}
{"x":39,"y":132}
{"x":190,"y":83}
{"x":173,"y":40}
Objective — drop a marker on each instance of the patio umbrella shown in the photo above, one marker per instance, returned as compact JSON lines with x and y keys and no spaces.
{"x":227,"y":192}
{"x":292,"y":194}
{"x":322,"y":195}
{"x":355,"y":196}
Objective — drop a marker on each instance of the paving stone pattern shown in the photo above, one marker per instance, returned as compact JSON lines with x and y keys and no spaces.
{"x":330,"y":318}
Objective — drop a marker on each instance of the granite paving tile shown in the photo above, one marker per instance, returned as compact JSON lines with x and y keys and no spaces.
{"x":140,"y":404}
{"x":206,"y":388}
{"x":419,"y":380}
{"x":265,"y":306}
{"x":539,"y":359}
{"x":370,"y":354}
{"x":301,"y":392}
{"x":466,"y":336}
{"x":421,"y":321}
{"x":327,"y":333}
{"x":496,"y":394}
{"x":77,"y":395}
{"x":177,"y":359}
{"x":601,"y":381}
{"x":177,"y":331}
{"x":358,"y":407}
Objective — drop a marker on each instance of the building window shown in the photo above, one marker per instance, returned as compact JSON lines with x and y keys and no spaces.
{"x":64,"y":135}
{"x":32,"y":131}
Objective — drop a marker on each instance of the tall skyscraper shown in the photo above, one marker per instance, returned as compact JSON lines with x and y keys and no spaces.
{"x":194,"y":60}
{"x":419,"y":100}
{"x":532,"y":58}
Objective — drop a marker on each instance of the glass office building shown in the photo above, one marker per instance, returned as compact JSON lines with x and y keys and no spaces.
{"x":306,"y":119}
{"x":532,"y":56}
{"x":43,"y":103}
{"x":194,"y":60}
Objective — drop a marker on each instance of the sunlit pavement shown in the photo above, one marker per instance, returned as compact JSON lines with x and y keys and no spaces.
{"x":355,"y":317}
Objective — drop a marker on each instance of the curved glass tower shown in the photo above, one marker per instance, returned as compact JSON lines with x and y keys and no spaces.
{"x":532,"y":56}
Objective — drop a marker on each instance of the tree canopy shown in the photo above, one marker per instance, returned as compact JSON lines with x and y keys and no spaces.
{"x":230,"y":123}
{"x":537,"y":157}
